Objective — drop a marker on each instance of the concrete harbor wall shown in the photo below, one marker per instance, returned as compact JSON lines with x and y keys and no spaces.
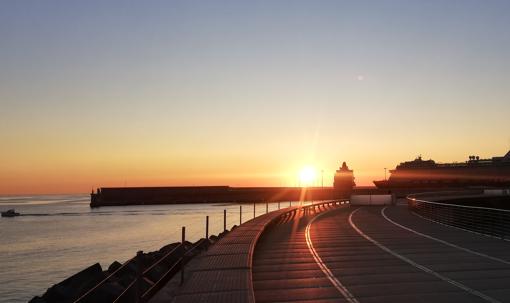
{"x":113,"y":196}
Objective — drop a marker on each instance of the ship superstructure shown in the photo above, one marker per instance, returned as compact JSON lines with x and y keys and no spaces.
{"x":343,"y":181}
{"x":419,"y":173}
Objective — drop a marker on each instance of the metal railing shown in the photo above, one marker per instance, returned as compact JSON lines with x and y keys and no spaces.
{"x":148,"y":279}
{"x":492,"y":222}
{"x":306,"y":210}
{"x":318,"y":207}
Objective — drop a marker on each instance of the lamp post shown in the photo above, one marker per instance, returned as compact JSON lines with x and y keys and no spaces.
{"x":385,"y":173}
{"x":322,"y":178}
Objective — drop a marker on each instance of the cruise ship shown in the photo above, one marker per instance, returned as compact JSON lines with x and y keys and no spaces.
{"x":475,"y":172}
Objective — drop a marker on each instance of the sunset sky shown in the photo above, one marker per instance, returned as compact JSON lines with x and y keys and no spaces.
{"x":245,"y":93}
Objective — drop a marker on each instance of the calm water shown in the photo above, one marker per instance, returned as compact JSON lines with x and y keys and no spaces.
{"x":57,"y":236}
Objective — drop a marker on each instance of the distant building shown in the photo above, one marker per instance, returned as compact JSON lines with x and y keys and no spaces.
{"x":344,"y":180}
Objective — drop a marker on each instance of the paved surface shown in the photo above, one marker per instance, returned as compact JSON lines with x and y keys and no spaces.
{"x":376,"y":254}
{"x":223,"y":273}
{"x":348,"y":254}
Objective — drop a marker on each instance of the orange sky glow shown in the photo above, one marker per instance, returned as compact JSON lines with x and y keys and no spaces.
{"x":33,"y":173}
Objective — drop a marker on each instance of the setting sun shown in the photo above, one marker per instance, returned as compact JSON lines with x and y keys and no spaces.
{"x":307,"y":175}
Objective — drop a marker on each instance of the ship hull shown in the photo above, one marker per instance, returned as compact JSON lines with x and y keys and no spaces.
{"x":435,"y":183}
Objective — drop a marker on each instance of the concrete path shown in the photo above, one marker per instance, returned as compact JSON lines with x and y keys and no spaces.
{"x":375,"y":254}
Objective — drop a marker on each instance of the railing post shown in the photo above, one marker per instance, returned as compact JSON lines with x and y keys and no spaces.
{"x":253,"y":209}
{"x":267,"y":207}
{"x":240,"y":214}
{"x":183,"y":239}
{"x":206,"y":227}
{"x":290,"y":203}
{"x":224,"y":220}
{"x":493,"y":225}
{"x":502,"y":222}
{"x":278,"y":204}
{"x":139,"y":271}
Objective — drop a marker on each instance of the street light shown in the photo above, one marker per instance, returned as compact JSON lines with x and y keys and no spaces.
{"x":385,"y":173}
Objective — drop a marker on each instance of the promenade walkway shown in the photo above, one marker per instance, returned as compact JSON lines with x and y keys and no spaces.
{"x":350,"y":254}
{"x":224,"y":272}
{"x":376,"y":254}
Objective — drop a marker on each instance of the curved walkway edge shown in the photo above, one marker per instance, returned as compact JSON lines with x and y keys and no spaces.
{"x":224,"y":272}
{"x":336,"y":283}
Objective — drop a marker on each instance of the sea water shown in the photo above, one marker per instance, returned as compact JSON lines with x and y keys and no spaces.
{"x":57,"y":236}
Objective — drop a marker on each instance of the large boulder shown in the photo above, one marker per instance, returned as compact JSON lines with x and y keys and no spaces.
{"x":223,"y":233}
{"x":107,"y":292}
{"x":157,"y":272}
{"x":114,"y":266}
{"x":167,"y":248}
{"x":73,"y":287}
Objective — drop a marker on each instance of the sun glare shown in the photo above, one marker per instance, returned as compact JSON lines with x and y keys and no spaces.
{"x":307,"y":175}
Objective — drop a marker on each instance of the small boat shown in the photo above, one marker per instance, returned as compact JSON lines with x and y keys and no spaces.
{"x":10,"y":213}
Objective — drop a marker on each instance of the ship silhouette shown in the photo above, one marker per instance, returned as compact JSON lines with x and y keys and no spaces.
{"x":475,"y":172}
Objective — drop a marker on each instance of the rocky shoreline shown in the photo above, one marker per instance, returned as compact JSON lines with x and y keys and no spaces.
{"x":119,"y":277}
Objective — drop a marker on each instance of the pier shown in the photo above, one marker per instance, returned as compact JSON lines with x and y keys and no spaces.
{"x":116,"y":196}
{"x":336,"y":252}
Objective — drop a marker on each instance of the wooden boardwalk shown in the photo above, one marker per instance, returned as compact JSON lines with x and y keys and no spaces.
{"x":350,"y":254}
{"x":224,"y":272}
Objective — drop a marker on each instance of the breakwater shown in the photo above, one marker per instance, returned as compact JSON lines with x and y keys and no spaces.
{"x":119,"y":281}
{"x":116,"y":196}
